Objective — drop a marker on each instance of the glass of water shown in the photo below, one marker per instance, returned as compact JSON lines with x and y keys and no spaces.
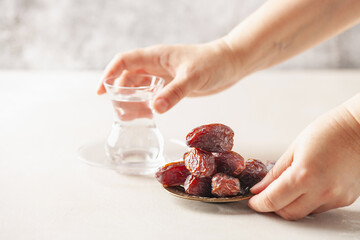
{"x":134,"y":145}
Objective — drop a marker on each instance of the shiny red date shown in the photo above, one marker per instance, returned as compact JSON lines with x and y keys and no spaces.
{"x":198,"y":186}
{"x":200,"y":163}
{"x":172,"y":174}
{"x":230,"y":163}
{"x":211,"y":138}
{"x":224,"y":185}
{"x":253,"y":173}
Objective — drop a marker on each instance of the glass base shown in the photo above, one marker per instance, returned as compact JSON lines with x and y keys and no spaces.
{"x":93,"y":153}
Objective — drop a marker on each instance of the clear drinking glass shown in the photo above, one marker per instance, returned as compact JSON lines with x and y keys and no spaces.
{"x":134,"y":145}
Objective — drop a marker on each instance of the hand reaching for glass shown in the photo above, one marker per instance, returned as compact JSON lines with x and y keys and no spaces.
{"x":189,"y":70}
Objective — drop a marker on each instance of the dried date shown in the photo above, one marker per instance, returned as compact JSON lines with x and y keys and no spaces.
{"x":253,"y":173}
{"x":198,"y":186}
{"x":224,"y":185}
{"x":230,"y":163}
{"x":172,"y":174}
{"x":211,"y":138}
{"x":200,"y":163}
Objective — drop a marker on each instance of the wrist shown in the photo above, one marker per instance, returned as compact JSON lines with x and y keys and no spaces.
{"x":348,"y":116}
{"x":353,"y":107}
{"x":234,"y":60}
{"x":250,"y":55}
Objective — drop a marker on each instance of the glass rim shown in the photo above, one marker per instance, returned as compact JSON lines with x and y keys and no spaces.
{"x":161,"y":81}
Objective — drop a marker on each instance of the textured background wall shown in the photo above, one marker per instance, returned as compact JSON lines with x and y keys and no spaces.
{"x":85,"y":34}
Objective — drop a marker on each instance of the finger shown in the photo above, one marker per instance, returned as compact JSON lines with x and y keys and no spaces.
{"x":172,"y":93}
{"x":280,"y":166}
{"x":278,"y":194}
{"x":299,"y":208}
{"x":114,"y":68}
{"x":145,"y":60}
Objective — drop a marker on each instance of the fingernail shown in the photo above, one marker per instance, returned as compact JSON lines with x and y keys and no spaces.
{"x":99,"y":88}
{"x":100,"y":91}
{"x":254,"y":187}
{"x":161,"y":105}
{"x":257,"y":188}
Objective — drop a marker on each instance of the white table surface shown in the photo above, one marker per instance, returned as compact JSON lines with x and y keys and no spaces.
{"x":47,"y":193}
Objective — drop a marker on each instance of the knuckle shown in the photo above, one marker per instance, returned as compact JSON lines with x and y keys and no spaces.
{"x":329,"y":194}
{"x":303,"y":177}
{"x":156,"y":47}
{"x":186,"y":70}
{"x":268,"y":202}
{"x":349,"y":202}
{"x":177,"y":92}
{"x":163,"y":60}
{"x":195,"y":79}
{"x":192,"y":75}
{"x":119,"y":59}
{"x":346,"y":200}
{"x":118,"y":56}
{"x":122,"y":56}
{"x":273,"y":173}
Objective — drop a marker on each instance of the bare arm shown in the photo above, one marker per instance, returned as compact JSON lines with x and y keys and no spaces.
{"x":281,"y":29}
{"x":275,"y":32}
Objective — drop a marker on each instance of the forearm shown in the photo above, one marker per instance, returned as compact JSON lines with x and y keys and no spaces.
{"x":280,"y":29}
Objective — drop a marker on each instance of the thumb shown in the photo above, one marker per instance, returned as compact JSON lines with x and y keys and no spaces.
{"x":280,"y":166}
{"x":172,"y":93}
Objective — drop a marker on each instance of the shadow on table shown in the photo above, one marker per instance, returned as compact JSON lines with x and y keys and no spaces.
{"x":343,"y":222}
{"x":235,"y":208}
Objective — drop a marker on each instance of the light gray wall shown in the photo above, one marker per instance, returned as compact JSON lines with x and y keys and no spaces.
{"x":85,"y":34}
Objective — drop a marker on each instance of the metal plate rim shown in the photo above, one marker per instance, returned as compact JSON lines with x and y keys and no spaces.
{"x":178,"y":191}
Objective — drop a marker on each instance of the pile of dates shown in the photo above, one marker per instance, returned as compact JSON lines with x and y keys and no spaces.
{"x":210,"y":168}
